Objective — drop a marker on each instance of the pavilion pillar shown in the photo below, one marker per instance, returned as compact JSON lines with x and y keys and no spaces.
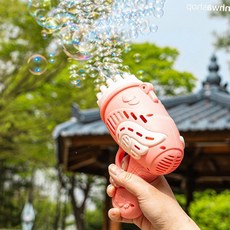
{"x":190,"y":188}
{"x":107,"y":223}
{"x":190,"y":177}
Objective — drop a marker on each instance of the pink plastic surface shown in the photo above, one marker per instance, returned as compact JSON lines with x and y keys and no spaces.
{"x":142,"y":128}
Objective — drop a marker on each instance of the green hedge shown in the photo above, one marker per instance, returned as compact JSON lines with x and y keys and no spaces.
{"x":211,"y":210}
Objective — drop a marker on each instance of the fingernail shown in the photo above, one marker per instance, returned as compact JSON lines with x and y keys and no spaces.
{"x":115,"y":170}
{"x":109,"y":186}
{"x":113,"y":182}
{"x":113,"y":214}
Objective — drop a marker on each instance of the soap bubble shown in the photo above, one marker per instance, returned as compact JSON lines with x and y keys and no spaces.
{"x":159,"y":4}
{"x":140,"y":74}
{"x":65,"y":18}
{"x":95,"y":32}
{"x":83,"y":40}
{"x":159,"y":13}
{"x":153,"y":28}
{"x":44,"y":33}
{"x":37,"y":64}
{"x":66,"y":34}
{"x":52,"y":24}
{"x":140,"y":3}
{"x":77,"y":83}
{"x":35,"y":5}
{"x":39,"y":9}
{"x":137,"y":57}
{"x":51,"y":58}
{"x":69,"y":3}
{"x":73,"y":53}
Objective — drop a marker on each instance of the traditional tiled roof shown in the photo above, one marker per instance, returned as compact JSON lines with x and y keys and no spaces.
{"x":206,"y":110}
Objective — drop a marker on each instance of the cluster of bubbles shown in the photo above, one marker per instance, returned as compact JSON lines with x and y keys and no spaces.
{"x":94,"y":31}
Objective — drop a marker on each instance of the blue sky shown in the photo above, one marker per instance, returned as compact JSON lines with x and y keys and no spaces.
{"x":187,"y":26}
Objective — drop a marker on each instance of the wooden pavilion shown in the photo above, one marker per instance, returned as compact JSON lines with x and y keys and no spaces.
{"x":203,"y":118}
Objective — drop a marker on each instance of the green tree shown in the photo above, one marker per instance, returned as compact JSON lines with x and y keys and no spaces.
{"x":84,"y":190}
{"x":211,"y":210}
{"x":24,"y":140}
{"x":156,"y":64}
{"x":223,"y":39}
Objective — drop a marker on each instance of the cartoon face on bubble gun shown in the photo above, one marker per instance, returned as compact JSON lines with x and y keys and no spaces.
{"x":148,"y":138}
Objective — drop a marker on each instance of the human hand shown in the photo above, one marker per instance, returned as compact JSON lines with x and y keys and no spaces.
{"x":160,"y":210}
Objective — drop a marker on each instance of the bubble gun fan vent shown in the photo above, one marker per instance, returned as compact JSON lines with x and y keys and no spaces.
{"x":149,"y":141}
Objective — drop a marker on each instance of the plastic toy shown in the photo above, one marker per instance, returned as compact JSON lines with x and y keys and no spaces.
{"x":149,"y":141}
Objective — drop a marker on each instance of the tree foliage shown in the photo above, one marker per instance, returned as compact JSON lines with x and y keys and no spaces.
{"x":156,"y":64}
{"x":84,"y":190}
{"x":223,"y":39}
{"x":25,"y":134}
{"x":211,"y":210}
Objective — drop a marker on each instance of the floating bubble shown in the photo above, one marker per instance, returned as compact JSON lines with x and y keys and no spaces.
{"x":34,"y":5}
{"x":69,"y":3}
{"x":127,"y":47}
{"x":83,"y":43}
{"x":40,"y":3}
{"x":140,"y":3}
{"x":86,"y":47}
{"x":159,"y":4}
{"x":66,"y":34}
{"x":92,"y":71}
{"x":153,"y":28}
{"x":65,"y":18}
{"x":98,"y":2}
{"x":76,"y":55}
{"x":83,"y":76}
{"x":140,"y":74}
{"x":44,"y":33}
{"x":40,"y":17}
{"x":94,"y":14}
{"x":159,"y":13}
{"x":133,"y":33}
{"x":39,"y":9}
{"x":137,"y":57}
{"x":52,"y":24}
{"x":99,"y":81}
{"x":145,"y":28}
{"x":37,"y":64}
{"x":51,"y":58}
{"x":77,"y":83}
{"x":76,"y":72}
{"x":125,"y":68}
{"x":74,"y":75}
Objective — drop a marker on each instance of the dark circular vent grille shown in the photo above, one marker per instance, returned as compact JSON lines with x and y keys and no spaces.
{"x":168,"y":164}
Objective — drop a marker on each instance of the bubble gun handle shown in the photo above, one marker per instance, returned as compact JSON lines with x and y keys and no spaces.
{"x":149,"y":141}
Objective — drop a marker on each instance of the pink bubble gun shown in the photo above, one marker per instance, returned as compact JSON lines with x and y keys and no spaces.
{"x":143,"y":129}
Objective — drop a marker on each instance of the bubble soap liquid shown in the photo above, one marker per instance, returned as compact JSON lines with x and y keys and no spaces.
{"x":148,"y":138}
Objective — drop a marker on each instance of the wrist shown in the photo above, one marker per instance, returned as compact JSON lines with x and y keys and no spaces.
{"x":184,"y":223}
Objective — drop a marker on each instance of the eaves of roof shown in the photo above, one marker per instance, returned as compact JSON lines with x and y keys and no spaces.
{"x":207,"y":110}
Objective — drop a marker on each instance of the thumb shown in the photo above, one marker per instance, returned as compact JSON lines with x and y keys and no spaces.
{"x":131,"y":182}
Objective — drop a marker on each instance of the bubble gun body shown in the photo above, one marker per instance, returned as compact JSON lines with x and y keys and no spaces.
{"x":147,"y":136}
